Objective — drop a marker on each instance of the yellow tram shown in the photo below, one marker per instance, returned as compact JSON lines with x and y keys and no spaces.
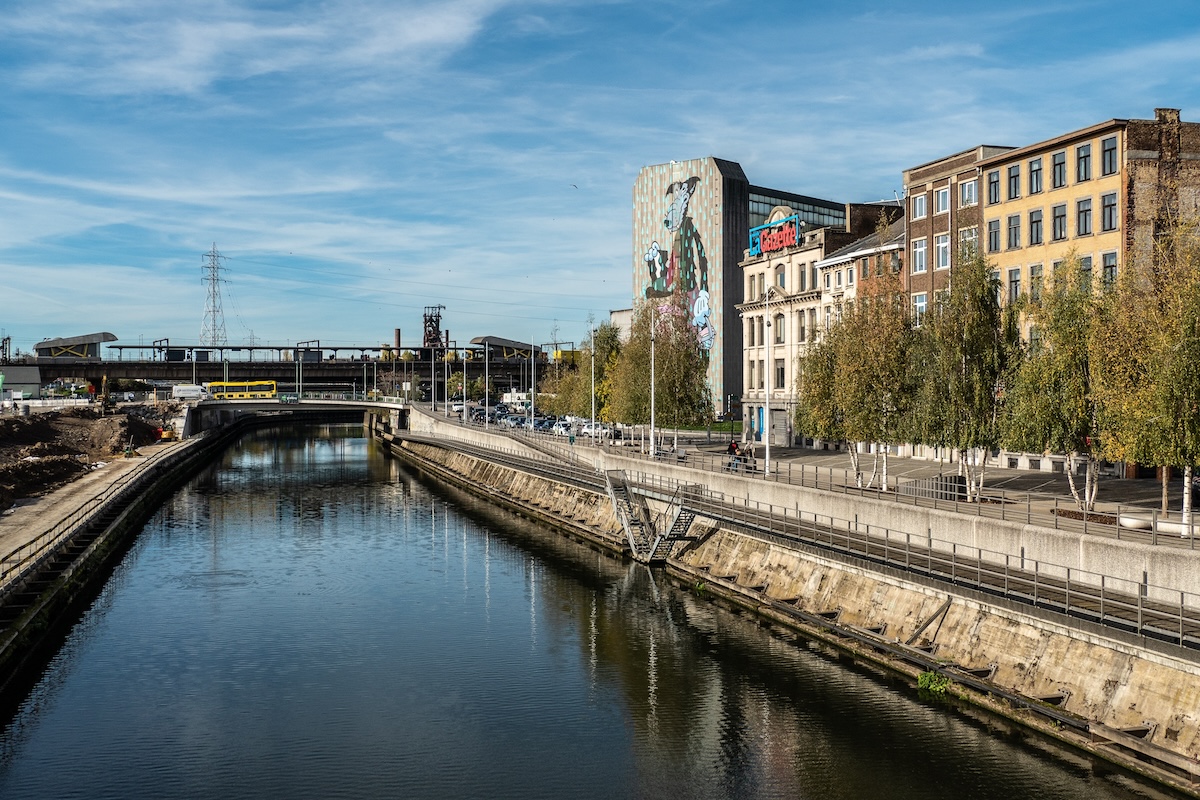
{"x":243,"y":390}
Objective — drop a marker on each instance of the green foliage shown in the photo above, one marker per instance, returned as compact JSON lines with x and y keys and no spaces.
{"x":933,"y":682}
{"x":571,"y":390}
{"x":1148,"y":351}
{"x":1050,"y":405}
{"x":681,"y":393}
{"x":960,"y":361}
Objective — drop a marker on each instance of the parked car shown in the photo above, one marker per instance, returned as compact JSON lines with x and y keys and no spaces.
{"x":599,"y":430}
{"x":561,"y":428}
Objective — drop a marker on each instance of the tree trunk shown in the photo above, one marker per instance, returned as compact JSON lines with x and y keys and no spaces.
{"x":874,"y":469}
{"x":1092,"y":481}
{"x":1163,"y":472}
{"x":853,"y":449}
{"x":884,"y":482}
{"x":1080,"y":502}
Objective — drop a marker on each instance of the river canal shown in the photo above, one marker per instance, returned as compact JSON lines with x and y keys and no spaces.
{"x":308,"y":619}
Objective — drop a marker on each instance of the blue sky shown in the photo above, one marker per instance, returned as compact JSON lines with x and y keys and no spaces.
{"x":361,"y":159}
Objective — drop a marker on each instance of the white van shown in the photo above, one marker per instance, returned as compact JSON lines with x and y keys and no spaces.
{"x":187,"y":391}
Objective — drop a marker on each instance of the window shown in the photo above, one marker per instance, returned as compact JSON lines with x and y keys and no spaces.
{"x":762,"y":372}
{"x":1083,"y":217}
{"x":1083,"y":163}
{"x":1108,"y":212}
{"x":781,"y":277}
{"x":993,"y":244}
{"x":801,"y":331}
{"x":941,"y":200}
{"x":750,"y":374}
{"x":1035,"y":176}
{"x":968,"y":193}
{"x":1058,"y":167}
{"x":1058,"y":223}
{"x":1108,"y":266}
{"x":1014,"y":231}
{"x":761,"y":338}
{"x":803,"y":279}
{"x":918,"y":206}
{"x":918,"y":262}
{"x":968,"y":241}
{"x":1108,"y":156}
{"x":1014,"y":284}
{"x":994,"y":187}
{"x":827,"y":280}
{"x":779,"y":325}
{"x":864,"y":264}
{"x":918,"y":308}
{"x":1035,"y":282}
{"x":1085,"y":266}
{"x":850,"y":275}
{"x":750,"y":333}
{"x":1014,"y":181}
{"x":941,"y":251}
{"x":780,"y":377}
{"x":1035,"y":227}
{"x":838,"y":281}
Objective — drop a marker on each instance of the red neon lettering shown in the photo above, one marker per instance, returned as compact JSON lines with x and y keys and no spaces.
{"x":778,"y":238}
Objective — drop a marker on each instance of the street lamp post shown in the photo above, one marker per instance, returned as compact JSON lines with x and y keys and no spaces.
{"x":652,"y":384}
{"x":593,"y":351}
{"x":770,"y":378}
{"x":486,"y":366}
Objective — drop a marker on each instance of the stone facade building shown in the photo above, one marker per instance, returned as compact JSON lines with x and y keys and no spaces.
{"x":790,"y":299}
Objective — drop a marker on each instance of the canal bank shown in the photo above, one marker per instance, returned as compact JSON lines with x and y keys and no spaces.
{"x":1125,"y":698}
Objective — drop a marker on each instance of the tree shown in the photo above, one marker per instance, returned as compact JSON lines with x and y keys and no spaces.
{"x":571,"y":389}
{"x":871,"y":355}
{"x":1149,"y":353}
{"x":1051,"y":404}
{"x":681,"y":395}
{"x":958,"y":367}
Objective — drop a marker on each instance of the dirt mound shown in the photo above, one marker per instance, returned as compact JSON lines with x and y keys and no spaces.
{"x":43,"y":451}
{"x":31,"y":477}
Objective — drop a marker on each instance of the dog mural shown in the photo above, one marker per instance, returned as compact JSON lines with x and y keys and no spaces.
{"x":682,"y":264}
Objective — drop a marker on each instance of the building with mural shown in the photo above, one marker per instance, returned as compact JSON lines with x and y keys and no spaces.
{"x":691,"y":220}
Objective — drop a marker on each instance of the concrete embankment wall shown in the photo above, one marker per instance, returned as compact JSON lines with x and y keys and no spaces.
{"x":1105,"y":680}
{"x":1166,"y":570}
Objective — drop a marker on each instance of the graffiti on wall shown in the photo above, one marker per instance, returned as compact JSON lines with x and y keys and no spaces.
{"x":680,"y":263}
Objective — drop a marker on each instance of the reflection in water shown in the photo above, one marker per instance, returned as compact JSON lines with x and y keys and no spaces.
{"x":309,"y":619}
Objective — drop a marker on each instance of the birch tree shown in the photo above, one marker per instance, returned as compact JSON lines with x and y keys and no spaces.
{"x":1051,"y":406}
{"x":958,"y":368}
{"x":1150,"y":354}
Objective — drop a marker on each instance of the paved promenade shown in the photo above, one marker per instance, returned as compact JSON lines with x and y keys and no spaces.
{"x":33,"y":516}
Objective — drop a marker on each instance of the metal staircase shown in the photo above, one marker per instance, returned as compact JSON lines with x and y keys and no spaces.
{"x":645,"y":542}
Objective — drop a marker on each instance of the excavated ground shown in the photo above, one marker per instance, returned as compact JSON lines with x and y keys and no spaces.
{"x":44,"y":451}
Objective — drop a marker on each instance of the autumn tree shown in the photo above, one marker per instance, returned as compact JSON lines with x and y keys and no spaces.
{"x":570,"y":392}
{"x":681,"y":395}
{"x":1051,"y":404}
{"x":958,"y":365}
{"x":1149,"y":355}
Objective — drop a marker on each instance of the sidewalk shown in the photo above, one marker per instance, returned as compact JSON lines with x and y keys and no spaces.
{"x":33,"y":516}
{"x":1110,"y":491}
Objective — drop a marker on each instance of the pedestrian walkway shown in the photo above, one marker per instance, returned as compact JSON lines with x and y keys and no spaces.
{"x":1110,"y":491}
{"x":34,"y":516}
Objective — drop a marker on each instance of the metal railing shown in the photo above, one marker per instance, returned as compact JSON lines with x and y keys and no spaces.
{"x":21,"y":561}
{"x":1141,"y":608}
